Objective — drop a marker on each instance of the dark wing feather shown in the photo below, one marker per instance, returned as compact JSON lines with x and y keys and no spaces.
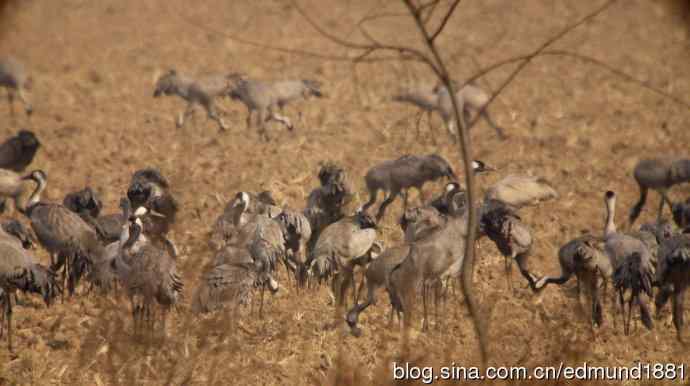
{"x":17,"y":152}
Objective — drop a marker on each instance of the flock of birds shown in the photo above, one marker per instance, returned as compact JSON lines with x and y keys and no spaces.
{"x":132,"y":252}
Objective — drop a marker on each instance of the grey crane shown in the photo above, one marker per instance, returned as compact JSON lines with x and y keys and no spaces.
{"x":19,"y":271}
{"x":88,"y":205}
{"x":15,"y":228}
{"x":619,"y":245}
{"x":469,"y":98}
{"x":498,"y":218}
{"x":673,"y":269}
{"x":584,"y":257}
{"x":635,"y":274}
{"x":297,"y":232}
{"x":149,"y":275}
{"x":397,"y":176}
{"x":512,"y":237}
{"x":326,"y":203}
{"x":631,"y":261}
{"x":418,"y":224}
{"x":518,"y":191}
{"x":263,"y":237}
{"x":430,"y":262}
{"x":150,"y":189}
{"x":377,"y":275}
{"x":439,"y":256}
{"x":260,"y":233}
{"x":263,"y":97}
{"x":286,"y":91}
{"x":659,"y":174}
{"x":426,"y":99}
{"x":235,"y":216}
{"x":452,"y":201}
{"x":101,"y":274}
{"x":340,"y":247}
{"x":202,"y":91}
{"x":14,"y":78}
{"x":654,"y":235}
{"x":15,"y":187}
{"x":514,"y":191}
{"x":18,"y":151}
{"x":62,"y":233}
{"x":230,"y":280}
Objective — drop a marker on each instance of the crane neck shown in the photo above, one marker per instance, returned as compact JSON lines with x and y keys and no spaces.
{"x":610,"y":226}
{"x":35,"y":197}
{"x":133,"y":235}
{"x":240,"y":208}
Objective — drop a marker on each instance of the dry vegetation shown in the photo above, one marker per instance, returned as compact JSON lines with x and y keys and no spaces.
{"x":574,"y":123}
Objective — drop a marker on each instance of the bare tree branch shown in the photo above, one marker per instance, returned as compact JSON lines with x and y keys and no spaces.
{"x":423,"y":7}
{"x":378,"y":16}
{"x":368,"y":16}
{"x":619,"y":73}
{"x":306,"y":53}
{"x":367,"y":35}
{"x":445,"y":20}
{"x":528,"y":58}
{"x":365,"y":57}
{"x":366,"y":47}
{"x":430,"y":13}
{"x":468,"y":262}
{"x":437,"y":65}
{"x":466,"y":154}
{"x":328,"y":35}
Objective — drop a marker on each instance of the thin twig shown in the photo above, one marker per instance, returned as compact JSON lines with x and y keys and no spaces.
{"x":445,"y":20}
{"x":367,"y":35}
{"x":617,"y":72}
{"x":466,"y":154}
{"x":365,"y":57}
{"x":539,"y":51}
{"x":378,"y":16}
{"x":368,"y":15}
{"x":424,"y":7}
{"x":361,"y":46}
{"x":432,"y":5}
{"x":437,"y":65}
{"x":306,"y":53}
{"x":486,"y":81}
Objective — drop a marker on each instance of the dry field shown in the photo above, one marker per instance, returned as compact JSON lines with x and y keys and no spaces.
{"x":576,"y":124}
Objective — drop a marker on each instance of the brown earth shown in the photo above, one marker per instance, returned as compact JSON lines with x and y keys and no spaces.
{"x":576,"y":124}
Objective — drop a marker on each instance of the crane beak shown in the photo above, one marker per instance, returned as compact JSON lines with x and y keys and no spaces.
{"x":488,"y":168}
{"x":481,"y":167}
{"x":157,"y":214}
{"x":140,"y":211}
